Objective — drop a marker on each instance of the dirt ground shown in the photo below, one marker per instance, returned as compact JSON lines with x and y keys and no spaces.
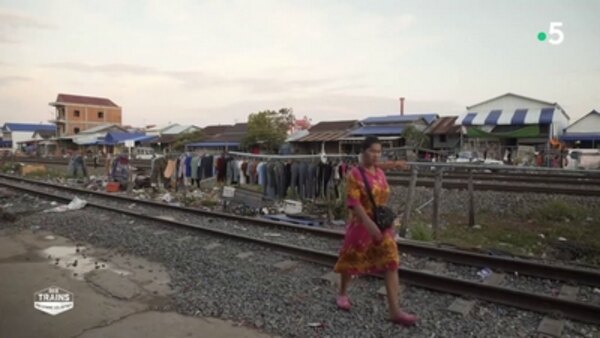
{"x":113,"y":295}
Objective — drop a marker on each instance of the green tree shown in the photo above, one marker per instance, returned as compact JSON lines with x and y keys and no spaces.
{"x":415,"y":137}
{"x":183,"y":139}
{"x":269,"y":128}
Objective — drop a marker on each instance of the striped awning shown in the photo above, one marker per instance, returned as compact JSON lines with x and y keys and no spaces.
{"x":508,"y":117}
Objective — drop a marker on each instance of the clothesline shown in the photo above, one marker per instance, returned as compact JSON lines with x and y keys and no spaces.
{"x":289,"y":157}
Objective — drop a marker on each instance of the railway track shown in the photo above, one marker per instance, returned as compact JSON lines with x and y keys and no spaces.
{"x":567,"y":184}
{"x":325,"y":254}
{"x":591,"y":181}
{"x":500,"y":186}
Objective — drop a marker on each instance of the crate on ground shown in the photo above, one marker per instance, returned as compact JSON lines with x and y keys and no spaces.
{"x":292,"y":207}
{"x":249,"y":198}
{"x":113,"y":187}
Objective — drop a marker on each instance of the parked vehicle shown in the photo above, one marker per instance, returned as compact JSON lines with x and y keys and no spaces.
{"x":144,"y":153}
{"x":472,"y":157}
{"x":583,"y":159}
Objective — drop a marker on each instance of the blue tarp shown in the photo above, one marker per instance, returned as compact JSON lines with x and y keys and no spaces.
{"x":378,"y":130}
{"x":32,"y":127}
{"x":143,"y":138}
{"x":113,"y":138}
{"x":580,"y":137}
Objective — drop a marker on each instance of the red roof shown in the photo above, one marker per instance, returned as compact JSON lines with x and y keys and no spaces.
{"x":444,"y":125}
{"x":85,"y":100}
{"x":323,"y":136}
{"x":333,"y":126}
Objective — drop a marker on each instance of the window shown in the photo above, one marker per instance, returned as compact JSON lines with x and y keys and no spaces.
{"x":76,"y":113}
{"x":442,"y":138}
{"x":76,"y":130}
{"x":100,"y":114}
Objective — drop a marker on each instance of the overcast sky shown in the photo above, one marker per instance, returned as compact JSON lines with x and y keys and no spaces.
{"x":207,"y":62}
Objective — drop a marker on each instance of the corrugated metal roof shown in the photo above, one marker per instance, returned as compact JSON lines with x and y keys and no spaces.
{"x":178,"y":129}
{"x":118,"y":137}
{"x":323,"y":136}
{"x":378,"y":130}
{"x":103,"y":127}
{"x":429,"y":117}
{"x":580,"y":137}
{"x":444,"y":125}
{"x":209,"y":131}
{"x":85,"y":100}
{"x":32,"y":127}
{"x":333,"y":125}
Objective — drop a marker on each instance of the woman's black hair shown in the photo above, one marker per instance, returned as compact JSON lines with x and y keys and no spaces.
{"x":369,"y":141}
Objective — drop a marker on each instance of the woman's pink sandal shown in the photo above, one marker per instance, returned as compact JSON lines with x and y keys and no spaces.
{"x":343,"y":303}
{"x":405,"y":319}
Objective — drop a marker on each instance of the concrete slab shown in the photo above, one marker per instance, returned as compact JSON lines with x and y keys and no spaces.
{"x":461,"y":306}
{"x":115,"y":285}
{"x":551,"y":327}
{"x":245,"y":255}
{"x":332,"y":278}
{"x":494,"y":279}
{"x":286,"y":265}
{"x":568,"y":292}
{"x":19,"y":318}
{"x":159,"y":325}
{"x":212,"y":246}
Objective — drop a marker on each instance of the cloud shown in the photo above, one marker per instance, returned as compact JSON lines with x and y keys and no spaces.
{"x":195,"y":78}
{"x":18,"y":20}
{"x":12,"y":21}
{"x":324,"y":107}
{"x":6,"y":80}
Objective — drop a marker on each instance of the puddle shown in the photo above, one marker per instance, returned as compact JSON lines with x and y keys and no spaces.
{"x":68,"y":255}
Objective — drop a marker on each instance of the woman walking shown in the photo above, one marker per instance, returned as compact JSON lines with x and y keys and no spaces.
{"x":367,"y":248}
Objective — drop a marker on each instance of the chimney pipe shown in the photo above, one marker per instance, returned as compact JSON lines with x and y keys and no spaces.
{"x":401,"y":106}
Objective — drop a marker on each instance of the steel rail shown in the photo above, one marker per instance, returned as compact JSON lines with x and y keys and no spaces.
{"x":511,"y":265}
{"x":583,"y":312}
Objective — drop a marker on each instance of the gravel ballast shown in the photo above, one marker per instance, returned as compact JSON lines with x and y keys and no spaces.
{"x":251,"y":291}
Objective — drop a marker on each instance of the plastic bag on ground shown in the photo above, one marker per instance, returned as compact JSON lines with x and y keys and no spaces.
{"x":75,"y":204}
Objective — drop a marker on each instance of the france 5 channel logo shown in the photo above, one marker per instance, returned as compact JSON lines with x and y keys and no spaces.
{"x":555,"y":35}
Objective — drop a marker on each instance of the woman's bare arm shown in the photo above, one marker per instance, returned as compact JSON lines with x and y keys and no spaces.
{"x":387,"y":165}
{"x":367,"y":222}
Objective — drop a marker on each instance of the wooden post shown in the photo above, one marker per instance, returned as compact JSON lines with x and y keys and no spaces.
{"x":471,"y":200}
{"x":409,"y":201}
{"x":437,"y":191}
{"x":129,"y":173}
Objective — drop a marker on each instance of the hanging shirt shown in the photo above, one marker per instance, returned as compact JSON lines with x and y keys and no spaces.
{"x":170,"y":169}
{"x":241,"y":176}
{"x":262,"y":173}
{"x":188,"y":166}
{"x":195,"y":161}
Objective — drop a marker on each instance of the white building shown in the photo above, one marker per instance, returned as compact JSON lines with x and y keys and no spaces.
{"x":13,"y":133}
{"x":509,"y":121}
{"x":585,"y":131}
